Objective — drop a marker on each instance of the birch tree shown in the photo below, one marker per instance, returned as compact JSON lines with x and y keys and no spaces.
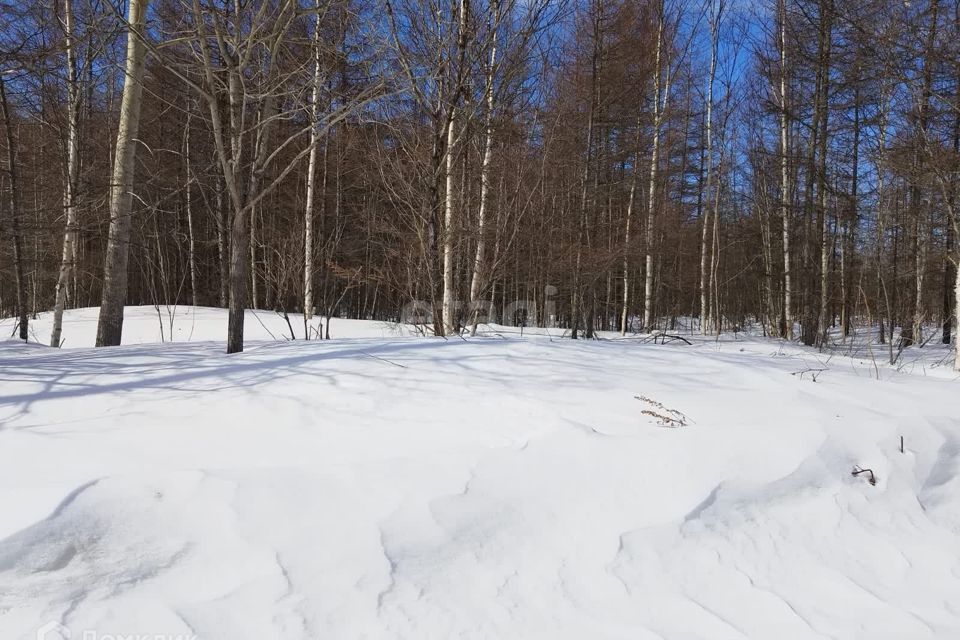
{"x":486,"y":167}
{"x":110,"y":322}
{"x":785,"y":193}
{"x":658,"y":110}
{"x":308,"y":214}
{"x":69,"y":253}
{"x":716,"y":15}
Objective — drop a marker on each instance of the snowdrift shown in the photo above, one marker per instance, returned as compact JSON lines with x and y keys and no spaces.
{"x":387,"y":486}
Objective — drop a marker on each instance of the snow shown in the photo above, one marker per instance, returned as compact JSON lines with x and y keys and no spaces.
{"x":381,"y":485}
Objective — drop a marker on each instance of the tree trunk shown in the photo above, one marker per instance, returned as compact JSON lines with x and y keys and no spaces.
{"x":239,"y":264}
{"x":577,"y":294}
{"x":192,"y":247}
{"x":654,"y":162}
{"x":14,"y":203}
{"x":311,"y":173}
{"x":918,"y":207}
{"x":223,"y":222}
{"x":715,"y":312}
{"x":853,"y":221}
{"x":949,"y":274}
{"x":956,"y":311}
{"x":950,"y":266}
{"x":447,"y":309}
{"x":785,"y":195}
{"x":110,"y":323}
{"x":478,"y":262}
{"x":705,"y":320}
{"x":882,"y":219}
{"x":625,"y":311}
{"x":826,"y":17}
{"x":240,"y":240}
{"x":69,"y":254}
{"x":449,"y":319}
{"x":252,"y":242}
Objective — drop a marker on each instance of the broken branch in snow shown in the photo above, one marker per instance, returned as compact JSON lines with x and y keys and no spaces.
{"x":813,"y":372}
{"x":857,"y":471}
{"x":664,"y":338}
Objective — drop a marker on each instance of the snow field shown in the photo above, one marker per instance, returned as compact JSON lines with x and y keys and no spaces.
{"x":387,"y":486}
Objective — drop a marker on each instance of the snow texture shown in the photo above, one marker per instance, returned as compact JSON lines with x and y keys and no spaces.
{"x":383,"y":485}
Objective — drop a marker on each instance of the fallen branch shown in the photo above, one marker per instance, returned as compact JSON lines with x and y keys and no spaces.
{"x":664,"y":337}
{"x":813,"y":372}
{"x":857,"y":471}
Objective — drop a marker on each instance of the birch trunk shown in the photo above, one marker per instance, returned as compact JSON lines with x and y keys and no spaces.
{"x":715,"y":314}
{"x":950,"y":270}
{"x":921,"y":209}
{"x":311,"y":172}
{"x":920,"y":269}
{"x":956,"y":312}
{"x":625,"y":312}
{"x":110,"y":322}
{"x":478,"y":263}
{"x":826,"y":9}
{"x":654,"y":162}
{"x":449,"y":321}
{"x":192,"y":248}
{"x":252,"y":242}
{"x":787,"y":329}
{"x":705,"y":319}
{"x":223,"y":221}
{"x":447,"y":309}
{"x":69,"y":254}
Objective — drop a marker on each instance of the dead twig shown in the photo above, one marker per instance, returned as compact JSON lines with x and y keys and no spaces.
{"x":665,"y":416}
{"x":813,"y":373}
{"x":857,"y":471}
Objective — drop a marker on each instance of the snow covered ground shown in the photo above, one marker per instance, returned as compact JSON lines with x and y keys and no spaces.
{"x":382,"y":485}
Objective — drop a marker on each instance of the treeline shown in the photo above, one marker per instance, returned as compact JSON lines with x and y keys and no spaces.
{"x":623,"y":164}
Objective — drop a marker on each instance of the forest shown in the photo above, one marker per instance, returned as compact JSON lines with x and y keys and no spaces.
{"x":479,"y":319}
{"x":787,"y":165}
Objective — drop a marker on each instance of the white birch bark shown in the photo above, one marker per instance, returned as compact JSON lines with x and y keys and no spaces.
{"x":625,"y":312}
{"x":654,"y":162}
{"x":705,"y":318}
{"x":478,"y":262}
{"x":956,"y":311}
{"x":311,"y":172}
{"x":449,"y":215}
{"x":110,"y":322}
{"x":188,"y":202}
{"x":785,"y":175}
{"x":449,"y":321}
{"x":68,"y":257}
